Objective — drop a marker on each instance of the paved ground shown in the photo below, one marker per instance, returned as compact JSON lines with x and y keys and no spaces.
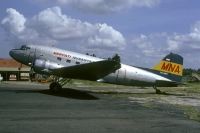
{"x":31,"y":108}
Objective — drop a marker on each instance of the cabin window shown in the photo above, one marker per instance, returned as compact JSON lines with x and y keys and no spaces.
{"x":58,"y":58}
{"x":68,"y":61}
{"x":77,"y":62}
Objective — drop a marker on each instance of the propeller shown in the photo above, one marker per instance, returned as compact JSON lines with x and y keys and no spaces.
{"x":31,"y":72}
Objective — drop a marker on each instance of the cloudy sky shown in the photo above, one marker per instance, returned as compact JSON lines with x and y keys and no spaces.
{"x":140,"y":31}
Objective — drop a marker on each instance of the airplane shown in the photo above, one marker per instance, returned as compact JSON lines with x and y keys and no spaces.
{"x":65,"y":65}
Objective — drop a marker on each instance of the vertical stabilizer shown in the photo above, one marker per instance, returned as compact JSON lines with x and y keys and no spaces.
{"x":171,"y":66}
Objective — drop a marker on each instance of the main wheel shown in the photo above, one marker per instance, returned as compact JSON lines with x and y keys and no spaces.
{"x":55,"y":87}
{"x":158,"y":91}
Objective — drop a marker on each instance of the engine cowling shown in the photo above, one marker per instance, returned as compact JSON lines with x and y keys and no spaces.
{"x":43,"y":66}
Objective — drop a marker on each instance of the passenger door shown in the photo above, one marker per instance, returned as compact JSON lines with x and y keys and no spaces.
{"x":121,"y":75}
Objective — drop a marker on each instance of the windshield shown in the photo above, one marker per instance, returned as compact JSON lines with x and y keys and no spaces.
{"x":24,"y":47}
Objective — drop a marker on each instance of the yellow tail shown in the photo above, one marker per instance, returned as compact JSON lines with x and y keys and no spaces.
{"x":172,"y":66}
{"x":169,"y":67}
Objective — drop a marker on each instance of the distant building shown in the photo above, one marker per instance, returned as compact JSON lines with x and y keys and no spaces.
{"x":10,"y":70}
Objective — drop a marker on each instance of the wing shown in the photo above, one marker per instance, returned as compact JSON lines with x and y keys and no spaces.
{"x":89,"y":71}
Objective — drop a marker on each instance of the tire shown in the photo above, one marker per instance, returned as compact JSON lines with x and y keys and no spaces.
{"x":55,"y":87}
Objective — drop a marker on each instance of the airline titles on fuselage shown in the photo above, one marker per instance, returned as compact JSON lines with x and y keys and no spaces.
{"x":68,"y":56}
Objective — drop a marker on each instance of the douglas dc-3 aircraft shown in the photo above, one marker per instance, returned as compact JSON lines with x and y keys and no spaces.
{"x":67,"y":65}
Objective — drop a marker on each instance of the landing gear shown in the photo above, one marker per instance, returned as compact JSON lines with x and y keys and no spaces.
{"x":56,"y":86}
{"x":157,"y":90}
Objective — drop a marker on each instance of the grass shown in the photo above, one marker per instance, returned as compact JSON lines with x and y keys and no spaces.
{"x":76,"y":82}
{"x":191,"y":112}
{"x":193,"y":87}
{"x":190,"y":89}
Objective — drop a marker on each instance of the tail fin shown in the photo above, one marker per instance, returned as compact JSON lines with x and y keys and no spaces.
{"x":171,"y":67}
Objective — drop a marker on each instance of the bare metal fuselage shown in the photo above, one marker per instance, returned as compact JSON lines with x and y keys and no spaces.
{"x":47,"y":58}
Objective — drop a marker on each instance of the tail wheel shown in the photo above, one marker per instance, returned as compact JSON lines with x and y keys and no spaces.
{"x":55,"y":87}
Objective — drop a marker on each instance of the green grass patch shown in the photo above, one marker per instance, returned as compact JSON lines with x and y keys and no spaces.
{"x":191,"y":112}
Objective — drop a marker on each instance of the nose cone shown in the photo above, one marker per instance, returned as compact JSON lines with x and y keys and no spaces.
{"x":16,"y":54}
{"x":19,"y":55}
{"x":12,"y":53}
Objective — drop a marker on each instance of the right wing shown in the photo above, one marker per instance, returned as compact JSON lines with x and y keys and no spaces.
{"x":89,"y":71}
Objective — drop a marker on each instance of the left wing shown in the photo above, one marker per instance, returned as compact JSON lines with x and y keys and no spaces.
{"x":89,"y":71}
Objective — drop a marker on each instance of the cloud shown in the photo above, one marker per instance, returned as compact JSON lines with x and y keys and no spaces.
{"x":150,"y":45}
{"x":51,"y":22}
{"x":186,"y":43}
{"x":14,"y":22}
{"x":104,"y":6}
{"x":155,"y":46}
{"x":163,"y":42}
{"x":107,"y":36}
{"x":52,"y":26}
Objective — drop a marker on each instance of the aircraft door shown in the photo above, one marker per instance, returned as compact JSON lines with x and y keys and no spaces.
{"x":121,"y":75}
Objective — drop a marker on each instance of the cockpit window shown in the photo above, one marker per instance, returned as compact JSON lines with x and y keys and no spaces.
{"x":24,"y":47}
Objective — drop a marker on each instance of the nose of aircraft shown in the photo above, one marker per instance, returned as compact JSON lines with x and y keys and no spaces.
{"x":19,"y":55}
{"x":12,"y":53}
{"x":16,"y":54}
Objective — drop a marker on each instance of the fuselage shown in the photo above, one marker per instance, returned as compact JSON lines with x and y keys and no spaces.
{"x":47,"y":58}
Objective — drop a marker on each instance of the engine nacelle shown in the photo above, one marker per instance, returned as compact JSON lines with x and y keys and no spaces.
{"x":43,"y":66}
